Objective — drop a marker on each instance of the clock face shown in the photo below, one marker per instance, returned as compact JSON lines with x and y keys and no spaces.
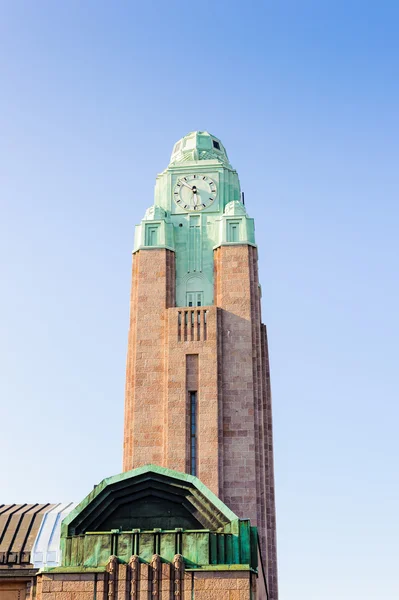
{"x":194,"y":192}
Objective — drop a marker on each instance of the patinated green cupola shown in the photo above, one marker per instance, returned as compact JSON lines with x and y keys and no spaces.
{"x":197,"y":208}
{"x":199,"y":145}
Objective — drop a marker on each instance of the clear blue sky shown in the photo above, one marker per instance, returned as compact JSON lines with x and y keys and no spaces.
{"x":305,"y":97}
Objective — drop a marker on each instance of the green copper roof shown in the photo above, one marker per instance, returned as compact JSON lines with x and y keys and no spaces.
{"x":150,"y":480}
{"x":151,"y":510}
{"x":199,"y":145}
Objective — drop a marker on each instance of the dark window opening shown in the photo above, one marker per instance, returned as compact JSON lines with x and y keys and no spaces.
{"x":193,"y":432}
{"x":216,"y":145}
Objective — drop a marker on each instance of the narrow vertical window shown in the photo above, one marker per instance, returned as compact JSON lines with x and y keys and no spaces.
{"x":194,"y":244}
{"x":192,"y":324}
{"x":193,"y":432}
{"x":151,"y":235}
{"x":233,"y":231}
{"x":192,"y":412}
{"x":179,"y":326}
{"x":185,"y":325}
{"x":194,"y":298}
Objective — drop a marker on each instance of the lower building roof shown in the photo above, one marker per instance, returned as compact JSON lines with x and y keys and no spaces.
{"x":30,"y":534}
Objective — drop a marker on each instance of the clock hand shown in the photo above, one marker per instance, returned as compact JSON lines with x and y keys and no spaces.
{"x":186,"y":184}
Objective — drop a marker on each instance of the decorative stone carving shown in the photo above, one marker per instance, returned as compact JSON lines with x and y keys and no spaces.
{"x":112,"y":569}
{"x":134,"y":565}
{"x":178,"y":566}
{"x":156,"y":573}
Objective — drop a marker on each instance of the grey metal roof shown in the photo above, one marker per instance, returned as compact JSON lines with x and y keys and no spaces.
{"x":28,"y":528}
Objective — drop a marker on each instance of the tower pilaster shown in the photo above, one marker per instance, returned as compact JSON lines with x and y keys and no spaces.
{"x":152,"y":292}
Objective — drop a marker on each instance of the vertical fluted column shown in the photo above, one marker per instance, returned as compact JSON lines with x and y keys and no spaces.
{"x":112,"y":578}
{"x":178,"y":574}
{"x":134,"y":576}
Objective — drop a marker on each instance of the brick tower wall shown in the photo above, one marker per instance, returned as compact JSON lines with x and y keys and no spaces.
{"x":221,"y":352}
{"x":248,"y":480}
{"x":152,"y":292}
{"x":192,"y":365}
{"x":171,"y":351}
{"x":270,"y":560}
{"x":233,"y":296}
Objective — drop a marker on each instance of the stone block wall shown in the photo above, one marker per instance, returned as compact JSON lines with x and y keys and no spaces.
{"x":227,"y":342}
{"x":233,"y":296}
{"x":16,"y":590}
{"x":248,"y":474}
{"x":70,"y":586}
{"x":142,"y":581}
{"x":199,"y":349}
{"x":151,"y":293}
{"x":224,"y":585}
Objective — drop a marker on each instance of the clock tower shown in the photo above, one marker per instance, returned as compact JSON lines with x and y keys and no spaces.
{"x":198,"y":394}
